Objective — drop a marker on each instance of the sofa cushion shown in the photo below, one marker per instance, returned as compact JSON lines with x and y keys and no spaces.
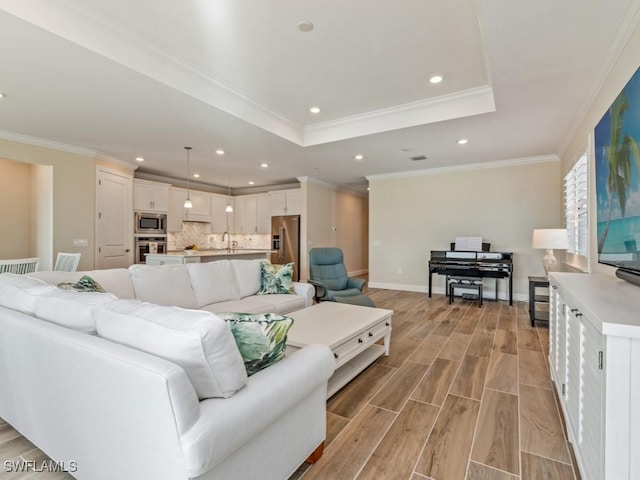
{"x":163,"y":285}
{"x":19,"y":292}
{"x":276,"y":279}
{"x":198,"y":341}
{"x":278,"y":303}
{"x":261,"y":338}
{"x":56,"y":305}
{"x":213,"y":282}
{"x":247,"y":275}
{"x":113,"y":280}
{"x":254,"y":304}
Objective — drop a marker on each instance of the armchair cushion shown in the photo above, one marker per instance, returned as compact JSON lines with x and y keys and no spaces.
{"x":329,"y":274}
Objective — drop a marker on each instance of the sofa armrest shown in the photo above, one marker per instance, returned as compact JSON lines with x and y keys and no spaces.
{"x":356,"y":283}
{"x":304,"y":290}
{"x":226,"y":424}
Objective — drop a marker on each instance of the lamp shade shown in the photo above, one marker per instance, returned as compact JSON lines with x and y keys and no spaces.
{"x":550,"y":238}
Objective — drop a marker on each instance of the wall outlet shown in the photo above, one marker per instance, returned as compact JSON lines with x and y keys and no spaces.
{"x":377,"y":243}
{"x":399,"y":270}
{"x":80,"y":242}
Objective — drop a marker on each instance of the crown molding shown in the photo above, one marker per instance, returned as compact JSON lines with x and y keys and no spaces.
{"x":623,"y":35}
{"x":64,"y":147}
{"x":466,"y":103}
{"x":44,"y":143}
{"x":316,"y":181}
{"x":98,"y":33}
{"x":466,"y":167}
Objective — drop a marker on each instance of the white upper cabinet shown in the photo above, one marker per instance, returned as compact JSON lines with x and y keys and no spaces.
{"x":222,"y":221}
{"x":201,"y":211}
{"x":150,"y":196}
{"x":252,"y":214}
{"x":263,"y":214}
{"x":286,"y":202}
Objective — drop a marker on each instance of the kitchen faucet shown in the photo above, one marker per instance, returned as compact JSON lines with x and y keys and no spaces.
{"x":228,"y":240}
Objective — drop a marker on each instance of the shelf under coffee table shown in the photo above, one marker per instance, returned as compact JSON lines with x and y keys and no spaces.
{"x":350,"y":331}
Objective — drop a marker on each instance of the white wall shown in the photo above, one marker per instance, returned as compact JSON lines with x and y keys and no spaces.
{"x":503,"y":204}
{"x":333,"y":218}
{"x":622,"y":70}
{"x":15,"y":213}
{"x":42,"y":214}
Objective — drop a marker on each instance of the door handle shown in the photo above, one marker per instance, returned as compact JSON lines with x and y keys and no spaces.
{"x":281,"y":246}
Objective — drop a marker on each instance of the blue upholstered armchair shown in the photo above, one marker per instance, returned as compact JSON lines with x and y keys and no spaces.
{"x":328,"y":275}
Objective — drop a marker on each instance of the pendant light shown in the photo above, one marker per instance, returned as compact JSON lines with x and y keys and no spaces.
{"x":229,"y":207}
{"x":187,"y":202}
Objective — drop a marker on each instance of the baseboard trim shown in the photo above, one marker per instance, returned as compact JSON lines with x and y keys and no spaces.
{"x":355,"y":273}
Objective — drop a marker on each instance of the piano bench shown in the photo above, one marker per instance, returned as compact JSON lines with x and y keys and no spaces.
{"x":466,"y":284}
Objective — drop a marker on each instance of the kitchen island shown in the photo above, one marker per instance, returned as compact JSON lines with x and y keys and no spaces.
{"x":201,"y":256}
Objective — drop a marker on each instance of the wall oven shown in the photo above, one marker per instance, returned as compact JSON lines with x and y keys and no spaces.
{"x":150,"y":223}
{"x":146,"y":245}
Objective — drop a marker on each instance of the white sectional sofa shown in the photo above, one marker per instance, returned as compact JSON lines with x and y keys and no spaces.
{"x":107,"y":410}
{"x":222,"y":286}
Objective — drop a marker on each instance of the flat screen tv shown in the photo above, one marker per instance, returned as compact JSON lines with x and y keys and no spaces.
{"x":617,"y":156}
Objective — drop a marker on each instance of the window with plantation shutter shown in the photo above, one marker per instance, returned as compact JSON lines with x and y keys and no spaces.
{"x":576,"y":188}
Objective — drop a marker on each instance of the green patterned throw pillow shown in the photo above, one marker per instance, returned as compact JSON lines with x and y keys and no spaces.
{"x":85,"y":284}
{"x":261,"y":337}
{"x":276,"y":279}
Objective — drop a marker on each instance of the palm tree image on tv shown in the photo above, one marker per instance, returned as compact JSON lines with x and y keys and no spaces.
{"x":620,"y":153}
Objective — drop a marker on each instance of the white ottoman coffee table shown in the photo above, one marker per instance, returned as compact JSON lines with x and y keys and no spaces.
{"x":350,"y":331}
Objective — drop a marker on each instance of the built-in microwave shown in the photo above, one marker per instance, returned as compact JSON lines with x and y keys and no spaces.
{"x":150,"y":223}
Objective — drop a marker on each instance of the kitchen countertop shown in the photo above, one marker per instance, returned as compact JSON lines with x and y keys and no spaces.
{"x":214,"y":252}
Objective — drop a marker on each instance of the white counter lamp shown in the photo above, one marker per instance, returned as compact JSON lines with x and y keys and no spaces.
{"x":548,"y":239}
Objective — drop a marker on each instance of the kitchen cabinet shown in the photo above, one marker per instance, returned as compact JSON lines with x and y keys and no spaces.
{"x":252,"y":214}
{"x":594,"y":357}
{"x":222,"y":221}
{"x":286,"y":202}
{"x":200,"y":212}
{"x":150,"y":196}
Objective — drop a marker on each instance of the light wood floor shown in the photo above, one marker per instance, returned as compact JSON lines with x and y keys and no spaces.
{"x":465,"y":394}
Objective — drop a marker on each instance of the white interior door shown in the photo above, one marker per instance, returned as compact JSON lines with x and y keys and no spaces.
{"x":114,"y":230}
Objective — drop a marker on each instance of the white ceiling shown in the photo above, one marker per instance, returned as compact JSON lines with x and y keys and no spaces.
{"x":147,"y":77}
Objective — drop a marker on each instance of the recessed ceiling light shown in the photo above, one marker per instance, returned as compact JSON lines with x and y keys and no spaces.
{"x":462,"y":141}
{"x":264,"y":165}
{"x":252,"y":183}
{"x":220,"y":151}
{"x":305,"y":26}
{"x":359,"y":157}
{"x":2,"y":95}
{"x":368,"y":188}
{"x":196,"y":175}
{"x":139,"y":159}
{"x":436,"y":79}
{"x":315,"y":110}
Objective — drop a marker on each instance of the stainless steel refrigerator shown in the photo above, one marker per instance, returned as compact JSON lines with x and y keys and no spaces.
{"x":285,"y":239}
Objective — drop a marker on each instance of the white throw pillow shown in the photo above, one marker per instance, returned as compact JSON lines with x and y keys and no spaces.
{"x":247,"y":275}
{"x":19,"y":292}
{"x":199,"y":342}
{"x":163,"y":285}
{"x":71,"y":309}
{"x":213,"y":282}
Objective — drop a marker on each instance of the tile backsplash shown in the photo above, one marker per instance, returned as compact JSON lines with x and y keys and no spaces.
{"x":200,"y":234}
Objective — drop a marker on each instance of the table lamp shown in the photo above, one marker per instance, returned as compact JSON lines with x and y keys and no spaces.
{"x":550,"y":238}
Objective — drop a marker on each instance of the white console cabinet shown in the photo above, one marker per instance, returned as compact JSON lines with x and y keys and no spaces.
{"x":594,"y":356}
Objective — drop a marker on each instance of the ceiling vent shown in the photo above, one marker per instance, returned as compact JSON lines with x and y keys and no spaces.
{"x":418,"y":157}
